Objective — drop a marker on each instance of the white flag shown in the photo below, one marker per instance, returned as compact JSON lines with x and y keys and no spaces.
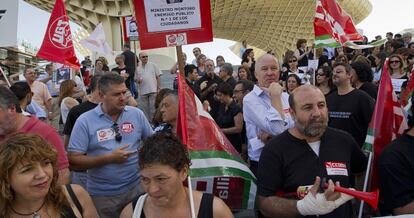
{"x":97,"y":42}
{"x":8,"y":22}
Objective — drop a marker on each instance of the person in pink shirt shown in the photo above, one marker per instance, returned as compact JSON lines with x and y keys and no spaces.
{"x":13,"y":121}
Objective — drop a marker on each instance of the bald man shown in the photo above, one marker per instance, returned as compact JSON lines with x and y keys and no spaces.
{"x":266,"y":108}
{"x":149,"y":84}
{"x":301,"y":156}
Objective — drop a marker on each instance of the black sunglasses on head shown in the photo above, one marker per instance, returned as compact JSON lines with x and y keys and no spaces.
{"x":118,"y":136}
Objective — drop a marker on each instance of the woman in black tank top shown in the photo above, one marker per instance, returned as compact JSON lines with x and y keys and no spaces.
{"x":28,"y":176}
{"x":164,"y":163}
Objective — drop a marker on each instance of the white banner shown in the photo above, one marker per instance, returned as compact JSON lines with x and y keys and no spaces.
{"x":8,"y":22}
{"x":167,"y":15}
{"x":96,"y":42}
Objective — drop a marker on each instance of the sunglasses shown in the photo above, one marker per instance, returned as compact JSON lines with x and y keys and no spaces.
{"x":291,"y":61}
{"x":145,"y":56}
{"x":395,"y":62}
{"x":118,"y":136}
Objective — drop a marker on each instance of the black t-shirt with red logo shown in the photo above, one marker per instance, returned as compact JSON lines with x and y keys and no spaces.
{"x":287,"y":162}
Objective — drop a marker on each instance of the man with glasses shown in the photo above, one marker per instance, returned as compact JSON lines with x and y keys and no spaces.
{"x":149,"y":84}
{"x":106,"y":143}
{"x":349,"y":109}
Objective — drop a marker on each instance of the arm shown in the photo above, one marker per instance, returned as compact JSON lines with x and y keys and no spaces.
{"x":46,"y":79}
{"x":273,"y":206}
{"x":85,"y":200}
{"x":80,"y":161}
{"x":406,"y":209}
{"x":275,"y":91}
{"x":127,"y":212}
{"x":238,"y":125}
{"x":220,"y":209}
{"x":266,"y":119}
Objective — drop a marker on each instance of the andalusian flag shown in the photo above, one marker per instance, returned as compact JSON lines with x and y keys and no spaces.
{"x":387,"y":123}
{"x":333,"y":26}
{"x":216,"y":167}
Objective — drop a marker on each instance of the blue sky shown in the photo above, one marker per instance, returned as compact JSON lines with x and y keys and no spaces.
{"x":386,"y":16}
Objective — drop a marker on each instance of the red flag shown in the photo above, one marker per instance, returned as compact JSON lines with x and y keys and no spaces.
{"x":57,"y":44}
{"x":216,"y":167}
{"x":333,"y":26}
{"x":387,"y":123}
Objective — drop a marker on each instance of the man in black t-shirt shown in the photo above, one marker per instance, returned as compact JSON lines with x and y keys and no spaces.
{"x":131,"y":62}
{"x":79,"y":177}
{"x":124,"y":71}
{"x":310,"y":149}
{"x":208,"y":85}
{"x":396,"y":172}
{"x":349,"y":109}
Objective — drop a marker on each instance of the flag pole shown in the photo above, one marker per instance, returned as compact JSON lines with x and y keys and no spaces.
{"x":180,"y":62}
{"x":5,"y":77}
{"x":364,"y":189}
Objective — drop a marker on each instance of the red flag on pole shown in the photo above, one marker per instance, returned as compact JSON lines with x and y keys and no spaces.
{"x":57,"y":43}
{"x":216,"y":167}
{"x":333,"y":27}
{"x":387,"y":123}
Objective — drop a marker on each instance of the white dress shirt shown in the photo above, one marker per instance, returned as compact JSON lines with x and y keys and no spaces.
{"x":260,"y":115}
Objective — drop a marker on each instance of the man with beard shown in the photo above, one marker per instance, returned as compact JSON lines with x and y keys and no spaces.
{"x":307,"y":151}
{"x":350,"y":109}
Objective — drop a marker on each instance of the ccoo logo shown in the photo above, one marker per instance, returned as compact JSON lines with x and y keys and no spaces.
{"x":59,"y":33}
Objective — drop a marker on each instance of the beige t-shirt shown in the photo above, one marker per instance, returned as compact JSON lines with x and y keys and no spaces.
{"x":40,"y":94}
{"x":148,"y":76}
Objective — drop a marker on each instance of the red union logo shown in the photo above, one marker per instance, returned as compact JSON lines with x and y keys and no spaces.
{"x":59,"y":33}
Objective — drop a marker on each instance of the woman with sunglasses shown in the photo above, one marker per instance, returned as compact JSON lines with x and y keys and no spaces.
{"x":396,"y":69}
{"x":28,"y":177}
{"x":163,"y":177}
{"x":324,"y":80}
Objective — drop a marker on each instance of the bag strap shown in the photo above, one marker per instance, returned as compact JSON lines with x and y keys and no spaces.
{"x":139,"y":206}
{"x":74,"y":198}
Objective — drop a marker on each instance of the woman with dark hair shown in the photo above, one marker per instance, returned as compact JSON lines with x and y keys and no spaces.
{"x":249,"y":62}
{"x":243,"y":73}
{"x":162,"y":178}
{"x":229,"y":116}
{"x":396,"y":69}
{"x":324,"y":80}
{"x":285,"y":65}
{"x":362,"y":78}
{"x":302,"y":53}
{"x":292,"y":82}
{"x":28,"y":182}
{"x":379,"y":62}
{"x":157,"y":119}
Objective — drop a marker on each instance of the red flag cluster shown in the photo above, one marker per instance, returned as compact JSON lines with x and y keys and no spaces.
{"x":57,"y":43}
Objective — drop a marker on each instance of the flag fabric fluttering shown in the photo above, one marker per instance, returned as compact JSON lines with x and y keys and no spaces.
{"x":96,"y":42}
{"x":216,"y":166}
{"x":387,"y":123}
{"x":333,"y":27}
{"x":57,"y":43}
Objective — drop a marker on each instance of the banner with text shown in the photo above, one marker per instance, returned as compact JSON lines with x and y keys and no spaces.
{"x":8,"y":22}
{"x":163,"y":23}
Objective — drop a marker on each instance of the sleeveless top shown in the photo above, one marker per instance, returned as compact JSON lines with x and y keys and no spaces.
{"x":205,"y":210}
{"x":64,"y":110}
{"x":67,"y":211}
{"x":304,"y":61}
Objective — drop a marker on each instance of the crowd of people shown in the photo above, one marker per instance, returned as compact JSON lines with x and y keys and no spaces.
{"x":87,"y":150}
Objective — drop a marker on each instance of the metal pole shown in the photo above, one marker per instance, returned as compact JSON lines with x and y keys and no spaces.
{"x":367,"y":173}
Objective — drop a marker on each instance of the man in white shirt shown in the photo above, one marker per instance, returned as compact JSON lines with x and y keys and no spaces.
{"x":149,"y":84}
{"x":266,"y":108}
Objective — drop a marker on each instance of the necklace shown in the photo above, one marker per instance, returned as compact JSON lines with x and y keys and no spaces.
{"x":34,"y":213}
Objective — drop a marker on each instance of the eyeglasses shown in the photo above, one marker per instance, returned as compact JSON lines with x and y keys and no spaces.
{"x":145,"y":56}
{"x":118,"y":136}
{"x":291,"y":61}
{"x":394,"y":62}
